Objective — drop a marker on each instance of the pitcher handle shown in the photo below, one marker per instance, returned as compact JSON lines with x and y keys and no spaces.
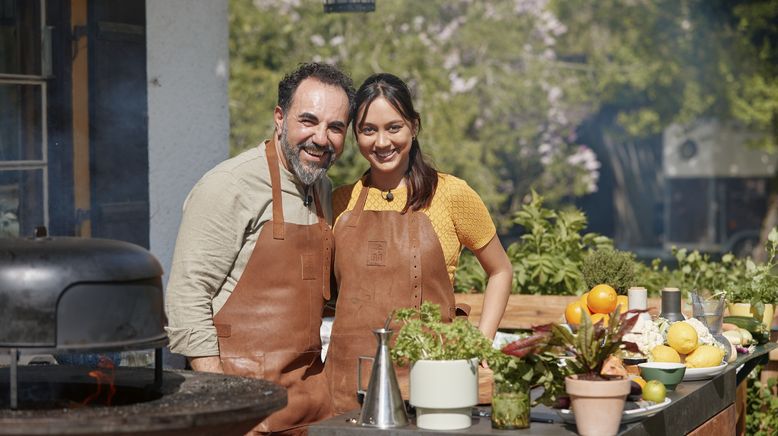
{"x":361,"y":391}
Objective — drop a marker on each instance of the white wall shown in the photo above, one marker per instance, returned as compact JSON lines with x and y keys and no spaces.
{"x":187,"y":69}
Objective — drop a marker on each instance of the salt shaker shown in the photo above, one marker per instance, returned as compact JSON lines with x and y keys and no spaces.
{"x":671,"y":305}
{"x":638,"y":298}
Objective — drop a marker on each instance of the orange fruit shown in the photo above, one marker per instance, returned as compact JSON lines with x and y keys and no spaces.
{"x":584,"y":304}
{"x":602,"y":299}
{"x":623,"y":302}
{"x":597,"y":317}
{"x":573,"y":313}
{"x":639,"y":380}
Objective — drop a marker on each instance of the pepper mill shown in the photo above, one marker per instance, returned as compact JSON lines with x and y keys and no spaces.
{"x":671,"y":305}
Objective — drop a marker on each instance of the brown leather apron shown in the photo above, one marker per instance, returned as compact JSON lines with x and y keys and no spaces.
{"x":384,"y":260}
{"x":269,"y":326}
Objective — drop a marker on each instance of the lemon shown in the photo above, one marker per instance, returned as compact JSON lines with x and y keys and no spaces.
{"x":705,"y":356}
{"x":682,"y":337}
{"x":663,"y":353}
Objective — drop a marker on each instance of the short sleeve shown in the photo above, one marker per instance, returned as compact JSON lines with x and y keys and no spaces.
{"x":472,"y":222}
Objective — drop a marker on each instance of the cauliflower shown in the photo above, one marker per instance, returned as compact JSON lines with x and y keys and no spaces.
{"x":646,"y":334}
{"x":703,"y":334}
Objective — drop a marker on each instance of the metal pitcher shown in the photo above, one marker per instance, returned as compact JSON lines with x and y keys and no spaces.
{"x":383,"y":406}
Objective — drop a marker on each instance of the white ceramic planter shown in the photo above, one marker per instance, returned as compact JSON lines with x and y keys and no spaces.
{"x":444,"y":392}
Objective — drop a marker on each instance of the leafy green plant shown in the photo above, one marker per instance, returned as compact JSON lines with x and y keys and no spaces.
{"x":424,"y":336}
{"x":762,"y":406}
{"x":470,"y":276}
{"x":591,"y":345}
{"x":757,"y":284}
{"x":612,"y":267}
{"x":655,"y":276}
{"x":548,"y":257}
{"x":528,"y":361}
{"x":698,"y":272}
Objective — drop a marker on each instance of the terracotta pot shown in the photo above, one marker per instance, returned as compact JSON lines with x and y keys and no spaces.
{"x":597,"y":404}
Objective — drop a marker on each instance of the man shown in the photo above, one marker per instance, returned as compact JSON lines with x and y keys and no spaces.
{"x":252,"y":263}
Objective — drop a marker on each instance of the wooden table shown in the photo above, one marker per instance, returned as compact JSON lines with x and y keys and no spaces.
{"x":698,"y":408}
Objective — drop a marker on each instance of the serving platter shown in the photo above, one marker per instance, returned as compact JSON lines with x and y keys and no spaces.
{"x":627,"y":416}
{"x":693,"y":374}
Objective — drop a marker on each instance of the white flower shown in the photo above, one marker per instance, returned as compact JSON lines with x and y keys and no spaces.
{"x":317,"y":40}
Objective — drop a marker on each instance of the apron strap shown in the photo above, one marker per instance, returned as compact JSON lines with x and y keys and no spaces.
{"x":275,"y":182}
{"x":327,"y":246}
{"x":360,"y":206}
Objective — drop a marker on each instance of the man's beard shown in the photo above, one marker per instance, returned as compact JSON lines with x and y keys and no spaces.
{"x":308,"y":173}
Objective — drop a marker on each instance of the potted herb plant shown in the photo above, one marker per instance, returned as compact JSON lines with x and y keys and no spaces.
{"x":517,"y":367}
{"x":598,"y":386}
{"x":444,"y":359}
{"x":759,"y":286}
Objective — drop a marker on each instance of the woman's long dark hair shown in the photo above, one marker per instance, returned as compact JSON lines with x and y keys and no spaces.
{"x":421,"y":177}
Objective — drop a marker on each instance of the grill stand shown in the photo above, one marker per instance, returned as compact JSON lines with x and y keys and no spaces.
{"x":14,"y":379}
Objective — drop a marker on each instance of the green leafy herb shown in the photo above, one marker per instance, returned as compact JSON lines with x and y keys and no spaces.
{"x":612,"y":267}
{"x":424,"y":336}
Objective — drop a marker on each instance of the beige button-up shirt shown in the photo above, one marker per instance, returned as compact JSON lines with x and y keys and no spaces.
{"x":223,"y":215}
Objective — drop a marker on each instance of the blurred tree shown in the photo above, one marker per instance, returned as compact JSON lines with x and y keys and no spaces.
{"x":497,"y":109}
{"x":502,"y":85}
{"x":659,"y":62}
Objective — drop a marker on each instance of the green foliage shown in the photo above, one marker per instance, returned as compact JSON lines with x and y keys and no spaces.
{"x":762,"y":406}
{"x":592,"y":344}
{"x":529,"y":361}
{"x":756,"y":283}
{"x":654,"y":277}
{"x":470,"y":276}
{"x":665,"y":61}
{"x":612,"y":267}
{"x":423,"y":336}
{"x":698,"y":272}
{"x":547,"y":259}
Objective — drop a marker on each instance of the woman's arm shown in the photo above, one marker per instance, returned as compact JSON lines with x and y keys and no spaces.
{"x":500,"y":271}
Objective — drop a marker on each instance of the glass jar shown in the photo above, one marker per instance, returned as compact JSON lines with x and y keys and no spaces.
{"x":510,"y":405}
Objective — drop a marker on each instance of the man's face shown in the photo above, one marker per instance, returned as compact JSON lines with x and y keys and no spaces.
{"x":313,"y":131}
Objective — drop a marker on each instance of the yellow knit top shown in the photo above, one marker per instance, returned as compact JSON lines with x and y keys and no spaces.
{"x":458,"y":215}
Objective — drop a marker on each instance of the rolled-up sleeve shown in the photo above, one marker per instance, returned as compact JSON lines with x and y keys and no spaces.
{"x":210,"y":238}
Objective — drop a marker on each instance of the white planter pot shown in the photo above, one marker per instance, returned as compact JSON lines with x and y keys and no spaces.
{"x":444,"y":392}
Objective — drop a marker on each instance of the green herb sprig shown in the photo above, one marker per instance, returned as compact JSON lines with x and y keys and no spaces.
{"x":424,"y":336}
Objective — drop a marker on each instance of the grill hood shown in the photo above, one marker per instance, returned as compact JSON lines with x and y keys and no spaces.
{"x":79,"y":294}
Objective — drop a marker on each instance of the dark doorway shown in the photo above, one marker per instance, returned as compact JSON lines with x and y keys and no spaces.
{"x":118,"y":120}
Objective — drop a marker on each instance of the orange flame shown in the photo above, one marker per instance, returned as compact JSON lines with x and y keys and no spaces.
{"x":103,"y":375}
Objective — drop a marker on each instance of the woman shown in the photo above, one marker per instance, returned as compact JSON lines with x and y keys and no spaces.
{"x":399,"y":233}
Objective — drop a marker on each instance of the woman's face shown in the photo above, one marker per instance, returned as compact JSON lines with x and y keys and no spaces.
{"x":385,"y":137}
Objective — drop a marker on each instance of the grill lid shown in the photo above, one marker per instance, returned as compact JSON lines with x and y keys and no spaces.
{"x":81,"y":294}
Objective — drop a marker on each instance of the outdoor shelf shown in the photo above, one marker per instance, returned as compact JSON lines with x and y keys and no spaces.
{"x":694,"y":403}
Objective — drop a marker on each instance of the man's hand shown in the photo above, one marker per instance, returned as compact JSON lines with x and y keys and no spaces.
{"x":206,"y":364}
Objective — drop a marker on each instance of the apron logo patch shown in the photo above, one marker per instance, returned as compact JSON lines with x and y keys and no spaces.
{"x":376,"y":253}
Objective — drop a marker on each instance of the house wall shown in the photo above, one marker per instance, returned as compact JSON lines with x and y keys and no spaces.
{"x":188,"y":118}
